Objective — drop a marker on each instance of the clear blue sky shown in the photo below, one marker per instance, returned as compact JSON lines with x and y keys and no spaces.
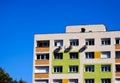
{"x":21,"y":19}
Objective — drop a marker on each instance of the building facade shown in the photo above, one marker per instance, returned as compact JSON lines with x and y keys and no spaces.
{"x":84,"y":54}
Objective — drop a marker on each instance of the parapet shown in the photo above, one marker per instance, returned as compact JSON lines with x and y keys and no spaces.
{"x":85,"y":28}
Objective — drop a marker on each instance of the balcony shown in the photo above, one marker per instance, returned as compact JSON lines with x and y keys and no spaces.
{"x":41,"y":62}
{"x":117,"y":46}
{"x":42,"y":46}
{"x":42,"y":49}
{"x":41,"y":75}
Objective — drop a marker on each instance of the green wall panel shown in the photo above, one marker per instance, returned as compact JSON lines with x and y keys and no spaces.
{"x":66,"y":62}
{"x":97,"y":74}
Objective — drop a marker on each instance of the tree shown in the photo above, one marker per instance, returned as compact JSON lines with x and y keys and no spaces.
{"x":5,"y":78}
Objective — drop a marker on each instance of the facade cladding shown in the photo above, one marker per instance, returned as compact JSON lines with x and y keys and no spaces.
{"x":84,"y":54}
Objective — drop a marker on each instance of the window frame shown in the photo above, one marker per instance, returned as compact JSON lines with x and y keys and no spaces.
{"x":58,"y":41}
{"x":73,"y":55}
{"x":43,"y":43}
{"x":89,"y":68}
{"x":74,"y":42}
{"x":105,"y":54}
{"x":105,"y":41}
{"x":57,"y":69}
{"x":117,"y":40}
{"x":90,"y":42}
{"x":105,"y":80}
{"x":105,"y":68}
{"x":42,"y":56}
{"x":73,"y":69}
{"x":58,"y":56}
{"x":89,"y":55}
{"x":89,"y":80}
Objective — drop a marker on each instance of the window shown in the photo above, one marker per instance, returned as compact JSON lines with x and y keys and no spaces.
{"x":106,"y":80}
{"x":74,"y":42}
{"x":117,"y":54}
{"x":89,"y":55}
{"x":89,"y":41}
{"x":117,"y":40}
{"x":117,"y":80}
{"x":58,"y":43}
{"x":117,"y":68}
{"x":89,"y":68}
{"x":43,"y":43}
{"x":73,"y":81}
{"x":43,"y":56}
{"x":73,"y":68}
{"x":105,"y":41}
{"x":41,"y":81}
{"x":41,"y":69}
{"x":57,"y":69}
{"x":105,"y":55}
{"x":105,"y":68}
{"x":57,"y":81}
{"x":74,"y":55}
{"x":89,"y":80}
{"x":58,"y":55}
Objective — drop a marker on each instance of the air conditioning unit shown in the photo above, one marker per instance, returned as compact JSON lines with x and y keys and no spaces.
{"x":68,"y":48}
{"x":58,"y":49}
{"x":83,"y":48}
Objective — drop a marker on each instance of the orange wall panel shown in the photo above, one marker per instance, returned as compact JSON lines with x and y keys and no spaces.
{"x":42,"y":49}
{"x":64,"y":80}
{"x":117,"y":60}
{"x":117,"y":74}
{"x":117,"y":46}
{"x":41,"y":75}
{"x":97,"y":54}
{"x":40,"y":62}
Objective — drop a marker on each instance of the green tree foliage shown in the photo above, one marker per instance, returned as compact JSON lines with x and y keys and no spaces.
{"x":5,"y":78}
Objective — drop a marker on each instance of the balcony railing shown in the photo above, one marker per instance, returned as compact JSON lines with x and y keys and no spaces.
{"x":117,"y":60}
{"x":41,"y":62}
{"x":42,"y":49}
{"x":117,"y":73}
{"x":41,"y":75}
{"x":117,"y":46}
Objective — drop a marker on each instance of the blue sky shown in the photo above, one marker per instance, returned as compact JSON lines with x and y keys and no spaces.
{"x":21,"y":19}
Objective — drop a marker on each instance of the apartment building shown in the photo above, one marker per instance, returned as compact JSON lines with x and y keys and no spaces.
{"x":84,"y":54}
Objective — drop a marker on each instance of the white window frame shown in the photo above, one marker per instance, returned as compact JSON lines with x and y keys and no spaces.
{"x":90,"y":42}
{"x":105,"y":80}
{"x":117,"y":40}
{"x":74,"y":42}
{"x":73,"y":68}
{"x":73,"y":81}
{"x":105,"y":54}
{"x":41,"y":69}
{"x":89,"y":80}
{"x":58,"y":43}
{"x":105,"y":68}
{"x":58,"y":56}
{"x":57,"y":80}
{"x":105,"y":41}
{"x":89,"y":55}
{"x":89,"y":68}
{"x":57,"y":69}
{"x":43,"y":56}
{"x":117,"y":54}
{"x":41,"y":81}
{"x":73,"y":55}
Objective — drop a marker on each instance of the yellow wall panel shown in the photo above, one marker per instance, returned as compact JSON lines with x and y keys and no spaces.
{"x":97,"y":54}
{"x":64,"y":80}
